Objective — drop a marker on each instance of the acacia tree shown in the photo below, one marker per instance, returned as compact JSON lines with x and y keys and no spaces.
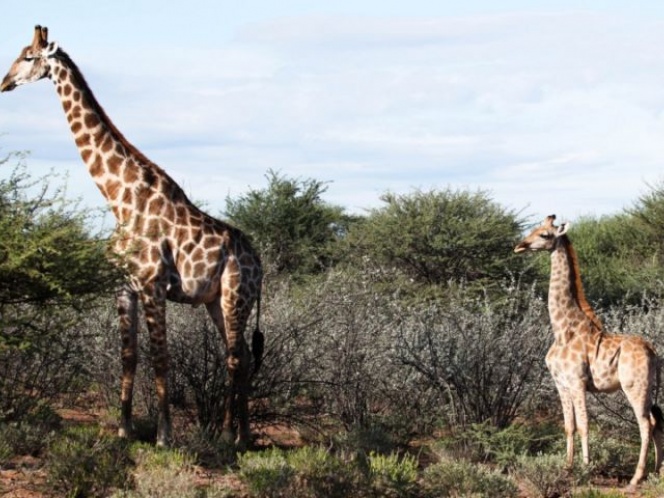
{"x":51,"y":269}
{"x":435,"y":237}
{"x":294,"y":228}
{"x":649,"y":211}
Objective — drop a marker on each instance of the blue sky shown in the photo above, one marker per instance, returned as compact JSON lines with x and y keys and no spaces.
{"x":550,"y":106}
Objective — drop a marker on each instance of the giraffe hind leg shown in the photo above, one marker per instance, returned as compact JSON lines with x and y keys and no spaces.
{"x":238,"y":359}
{"x":642,"y":406}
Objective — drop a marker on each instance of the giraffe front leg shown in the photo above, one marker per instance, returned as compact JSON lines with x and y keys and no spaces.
{"x":568,"y":416}
{"x":127,"y":305}
{"x":155,"y":316}
{"x":581,"y":414}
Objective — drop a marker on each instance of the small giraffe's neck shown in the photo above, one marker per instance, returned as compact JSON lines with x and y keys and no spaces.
{"x":570,"y":311}
{"x":116,"y":166}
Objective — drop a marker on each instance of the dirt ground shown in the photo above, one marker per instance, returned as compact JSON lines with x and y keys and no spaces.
{"x":25,"y":477}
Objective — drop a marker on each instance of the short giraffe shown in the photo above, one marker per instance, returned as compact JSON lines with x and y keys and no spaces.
{"x":171,"y":249}
{"x":585,"y":358}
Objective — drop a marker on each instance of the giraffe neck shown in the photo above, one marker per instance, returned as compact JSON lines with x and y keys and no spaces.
{"x":570,"y":311}
{"x":116,"y":166}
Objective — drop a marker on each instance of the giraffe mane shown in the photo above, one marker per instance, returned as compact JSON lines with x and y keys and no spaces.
{"x":577,"y":285}
{"x":96,"y":106}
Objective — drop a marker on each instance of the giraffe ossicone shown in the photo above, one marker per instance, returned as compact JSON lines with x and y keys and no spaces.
{"x":171,"y":249}
{"x":584,"y":358}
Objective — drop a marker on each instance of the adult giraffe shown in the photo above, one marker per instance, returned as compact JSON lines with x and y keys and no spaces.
{"x":584,"y":357}
{"x":170,"y":248}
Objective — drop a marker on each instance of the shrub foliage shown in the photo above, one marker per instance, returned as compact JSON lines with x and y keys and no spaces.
{"x":411,"y":321}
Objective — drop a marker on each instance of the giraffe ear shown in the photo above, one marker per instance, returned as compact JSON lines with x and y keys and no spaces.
{"x":51,"y":49}
{"x":562,"y":229}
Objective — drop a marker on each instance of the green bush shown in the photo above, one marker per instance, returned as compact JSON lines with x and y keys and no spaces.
{"x":166,"y":473}
{"x":84,"y":462}
{"x":21,"y":439}
{"x":361,"y":440}
{"x":652,"y":487}
{"x":613,"y":456}
{"x":149,"y":457}
{"x":393,"y":475}
{"x":294,"y":230}
{"x":547,"y":475}
{"x":210,"y":448}
{"x":51,"y":268}
{"x":321,"y":474}
{"x":436,"y":237}
{"x":489,"y":444}
{"x":30,"y":435}
{"x":303,"y":473}
{"x":460,"y":478}
{"x":267,"y":473}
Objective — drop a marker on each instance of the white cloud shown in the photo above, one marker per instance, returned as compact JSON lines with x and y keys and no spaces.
{"x":548,"y":111}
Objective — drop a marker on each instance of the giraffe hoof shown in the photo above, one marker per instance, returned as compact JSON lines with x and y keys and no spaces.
{"x":162,"y":443}
{"x":124,"y":433}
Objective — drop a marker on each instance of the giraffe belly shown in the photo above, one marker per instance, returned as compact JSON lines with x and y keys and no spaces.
{"x":605,"y":381}
{"x":191,"y":290}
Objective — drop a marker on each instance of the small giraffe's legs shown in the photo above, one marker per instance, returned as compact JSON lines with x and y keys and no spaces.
{"x":638,"y":396}
{"x":155,"y":316}
{"x":570,"y":427}
{"x":127,"y":305}
{"x":645,"y":430}
{"x":581,"y":416}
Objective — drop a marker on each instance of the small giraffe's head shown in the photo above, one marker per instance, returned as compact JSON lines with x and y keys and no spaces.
{"x":32,"y":63}
{"x":544,"y":237}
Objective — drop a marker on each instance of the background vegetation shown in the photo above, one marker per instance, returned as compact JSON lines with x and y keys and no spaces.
{"x":404,"y":352}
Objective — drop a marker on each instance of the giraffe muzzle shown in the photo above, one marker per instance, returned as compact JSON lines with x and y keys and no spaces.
{"x":7,"y":85}
{"x":522,"y":247}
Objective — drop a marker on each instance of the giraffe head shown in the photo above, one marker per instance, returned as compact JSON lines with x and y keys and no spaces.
{"x":32,"y":63}
{"x":544,"y":237}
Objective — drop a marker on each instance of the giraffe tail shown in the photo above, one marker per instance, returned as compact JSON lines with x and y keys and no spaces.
{"x":658,"y":417}
{"x":257,"y":339}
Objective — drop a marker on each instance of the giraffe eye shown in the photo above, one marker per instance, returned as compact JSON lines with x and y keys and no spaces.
{"x":28,"y":58}
{"x":546,"y":235}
